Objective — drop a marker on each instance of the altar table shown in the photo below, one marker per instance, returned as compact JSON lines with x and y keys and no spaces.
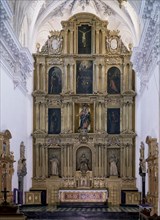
{"x":83,"y":195}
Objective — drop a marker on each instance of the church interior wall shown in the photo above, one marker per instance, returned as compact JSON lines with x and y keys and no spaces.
{"x":16,"y":109}
{"x":147,"y":117}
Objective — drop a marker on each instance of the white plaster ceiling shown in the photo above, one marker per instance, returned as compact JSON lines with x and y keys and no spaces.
{"x":34,"y":19}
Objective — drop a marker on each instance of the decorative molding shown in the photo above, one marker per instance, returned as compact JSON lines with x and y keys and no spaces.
{"x":146,"y":56}
{"x":15,"y":58}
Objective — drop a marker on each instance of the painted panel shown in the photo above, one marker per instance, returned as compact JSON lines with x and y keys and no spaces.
{"x":113,"y":121}
{"x":54,"y":121}
{"x":55,"y":81}
{"x":84,"y":77}
{"x":113,"y":81}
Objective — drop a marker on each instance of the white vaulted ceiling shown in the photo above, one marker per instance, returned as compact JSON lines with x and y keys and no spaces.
{"x":34,"y":19}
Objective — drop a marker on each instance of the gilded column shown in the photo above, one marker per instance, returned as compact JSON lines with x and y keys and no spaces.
{"x":66,"y":41}
{"x":65,"y":162}
{"x":124,"y":77}
{"x":130,"y":77}
{"x":97,"y":118}
{"x":37,"y":160}
{"x":71,"y":78}
{"x":124,"y":116}
{"x":103,"y":42}
{"x":46,"y":155}
{"x":37,"y":76}
{"x":68,"y":117}
{"x":97,"y":78}
{"x":105,"y":161}
{"x":130,"y":116}
{"x":43,"y":162}
{"x":71,"y":41}
{"x":103,"y":87}
{"x":65,"y":78}
{"x":68,"y":173}
{"x":99,"y":161}
{"x":37,"y":115}
{"x":97,"y":41}
{"x":43,"y":77}
{"x":62,"y":160}
{"x":100,"y":116}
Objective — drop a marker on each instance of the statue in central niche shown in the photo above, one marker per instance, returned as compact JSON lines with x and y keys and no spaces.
{"x":83,"y":163}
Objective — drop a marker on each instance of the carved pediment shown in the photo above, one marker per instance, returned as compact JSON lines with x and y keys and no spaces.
{"x":54,"y":44}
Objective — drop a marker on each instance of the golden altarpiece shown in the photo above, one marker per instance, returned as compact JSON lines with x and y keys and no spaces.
{"x":6,"y":166}
{"x":84,"y":136}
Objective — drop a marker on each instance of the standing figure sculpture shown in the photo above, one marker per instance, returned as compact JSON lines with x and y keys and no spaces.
{"x":54,"y":166}
{"x":113,"y":166}
{"x":85,"y":118}
{"x":83,"y":163}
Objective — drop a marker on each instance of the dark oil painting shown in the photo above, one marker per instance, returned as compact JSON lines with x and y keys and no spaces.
{"x":54,"y":120}
{"x":84,"y":77}
{"x":113,"y":120}
{"x":113,"y":81}
{"x":55,"y":81}
{"x":84,"y":39}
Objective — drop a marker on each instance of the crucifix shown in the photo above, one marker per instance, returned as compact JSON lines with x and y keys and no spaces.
{"x":5,"y":196}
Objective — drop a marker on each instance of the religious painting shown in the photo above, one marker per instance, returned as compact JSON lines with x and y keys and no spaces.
{"x":84,"y":39}
{"x":113,"y":121}
{"x":84,"y":77}
{"x":83,"y":159}
{"x":83,"y":117}
{"x":113,"y":81}
{"x":55,"y":81}
{"x":54,"y":161}
{"x":54,"y":121}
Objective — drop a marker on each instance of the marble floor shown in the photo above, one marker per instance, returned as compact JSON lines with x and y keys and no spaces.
{"x":82,"y":213}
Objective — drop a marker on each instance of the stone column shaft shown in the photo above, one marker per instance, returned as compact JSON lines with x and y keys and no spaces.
{"x":71,"y":78}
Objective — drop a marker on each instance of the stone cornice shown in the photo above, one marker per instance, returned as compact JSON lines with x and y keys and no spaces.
{"x":146,"y":56}
{"x":18,"y":60}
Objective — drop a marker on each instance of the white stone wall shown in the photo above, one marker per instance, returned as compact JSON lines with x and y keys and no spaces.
{"x":16,"y":67}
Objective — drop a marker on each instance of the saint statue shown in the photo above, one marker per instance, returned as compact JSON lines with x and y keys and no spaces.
{"x":83,"y":163}
{"x":54,"y":166}
{"x":113,"y":166}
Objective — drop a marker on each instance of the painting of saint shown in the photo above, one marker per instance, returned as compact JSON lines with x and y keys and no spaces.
{"x":84,"y":77}
{"x":54,"y":121}
{"x":113,"y":81}
{"x":113,"y":121}
{"x":55,"y":81}
{"x":84,"y":39}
